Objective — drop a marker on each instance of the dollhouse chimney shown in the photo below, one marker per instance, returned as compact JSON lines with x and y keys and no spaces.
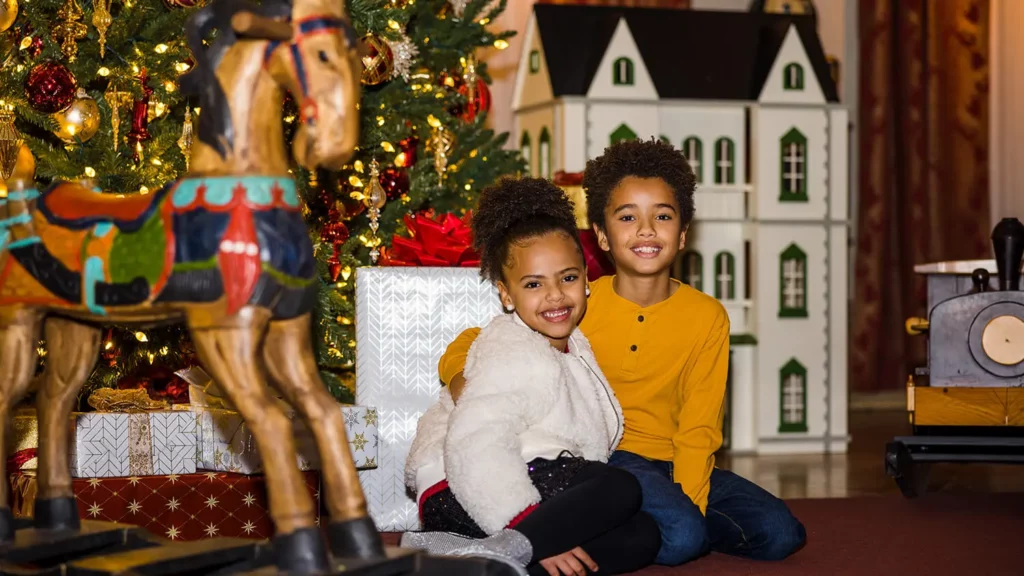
{"x":1008,"y":243}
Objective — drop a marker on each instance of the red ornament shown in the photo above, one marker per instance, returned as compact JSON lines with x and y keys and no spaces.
{"x":395,"y":182}
{"x":140,"y":116}
{"x":335,"y":233}
{"x":479,"y":102}
{"x":407,"y":156}
{"x":334,"y":268}
{"x":50,"y":87}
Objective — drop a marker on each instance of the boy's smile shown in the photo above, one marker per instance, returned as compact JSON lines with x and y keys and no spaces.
{"x":643,"y":231}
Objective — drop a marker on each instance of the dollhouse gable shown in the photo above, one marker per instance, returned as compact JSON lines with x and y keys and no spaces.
{"x":622,"y":74}
{"x":793,"y":77}
{"x":533,"y":80}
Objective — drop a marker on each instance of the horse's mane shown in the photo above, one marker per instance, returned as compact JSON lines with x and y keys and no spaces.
{"x":215,"y":126}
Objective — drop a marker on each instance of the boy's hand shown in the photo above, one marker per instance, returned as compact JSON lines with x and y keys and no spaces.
{"x":572,"y":563}
{"x":456,"y":386}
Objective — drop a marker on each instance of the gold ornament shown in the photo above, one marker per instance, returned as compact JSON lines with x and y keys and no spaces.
{"x":102,"y":19}
{"x":374,"y":201}
{"x":10,"y":142}
{"x":117,"y":99}
{"x":470,"y":78}
{"x":185,"y":142}
{"x":441,"y":142}
{"x":378,"y":60}
{"x":8,"y":13}
{"x":79,"y":121}
{"x":70,"y":30}
{"x":24,"y":173}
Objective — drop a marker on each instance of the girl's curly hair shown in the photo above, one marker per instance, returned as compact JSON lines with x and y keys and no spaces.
{"x":513,"y":210}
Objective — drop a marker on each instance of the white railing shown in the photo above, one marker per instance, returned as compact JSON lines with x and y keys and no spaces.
{"x":740,"y":315}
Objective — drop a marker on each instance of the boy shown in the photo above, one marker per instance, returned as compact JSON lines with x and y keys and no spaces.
{"x":664,"y":348}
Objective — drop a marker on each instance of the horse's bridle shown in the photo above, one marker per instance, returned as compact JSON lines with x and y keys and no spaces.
{"x":307,"y":27}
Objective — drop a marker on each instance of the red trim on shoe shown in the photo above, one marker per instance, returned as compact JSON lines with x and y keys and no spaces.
{"x":522,"y":515}
{"x":430,"y":492}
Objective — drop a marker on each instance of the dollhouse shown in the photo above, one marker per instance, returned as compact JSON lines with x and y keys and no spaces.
{"x":750,"y":101}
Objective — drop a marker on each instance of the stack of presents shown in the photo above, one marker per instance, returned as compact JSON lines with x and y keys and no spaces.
{"x":185,"y":471}
{"x":191,"y":470}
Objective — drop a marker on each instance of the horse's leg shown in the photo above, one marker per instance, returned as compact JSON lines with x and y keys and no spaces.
{"x":72,"y":351}
{"x":291,"y":363}
{"x":228,"y":350}
{"x":19,"y":333}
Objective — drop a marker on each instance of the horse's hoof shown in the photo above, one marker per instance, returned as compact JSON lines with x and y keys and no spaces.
{"x":56,"y":514}
{"x":301,"y":552}
{"x":355,"y":539}
{"x":6,"y":526}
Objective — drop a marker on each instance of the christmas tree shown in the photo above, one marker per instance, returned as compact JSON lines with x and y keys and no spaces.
{"x":94,"y":91}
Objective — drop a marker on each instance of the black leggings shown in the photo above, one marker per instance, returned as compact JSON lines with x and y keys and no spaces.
{"x":598,"y":509}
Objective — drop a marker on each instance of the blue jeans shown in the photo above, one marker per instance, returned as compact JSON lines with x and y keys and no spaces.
{"x":742,"y":519}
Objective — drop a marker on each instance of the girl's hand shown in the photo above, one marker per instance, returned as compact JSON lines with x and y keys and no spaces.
{"x":570,"y":563}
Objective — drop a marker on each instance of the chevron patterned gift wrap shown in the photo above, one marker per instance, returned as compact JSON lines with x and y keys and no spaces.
{"x":116,"y":444}
{"x":405,"y":318}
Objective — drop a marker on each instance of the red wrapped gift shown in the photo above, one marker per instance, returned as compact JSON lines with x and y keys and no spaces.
{"x":185,"y":507}
{"x":443,"y":241}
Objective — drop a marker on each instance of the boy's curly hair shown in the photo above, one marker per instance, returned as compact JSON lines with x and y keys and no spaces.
{"x":513,"y":210}
{"x":642,"y":159}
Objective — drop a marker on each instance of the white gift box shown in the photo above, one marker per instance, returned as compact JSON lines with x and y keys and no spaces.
{"x":119,"y":444}
{"x":405,"y":319}
{"x":225,"y":443}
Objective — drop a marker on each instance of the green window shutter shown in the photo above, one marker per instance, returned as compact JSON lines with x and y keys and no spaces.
{"x":792,"y":398}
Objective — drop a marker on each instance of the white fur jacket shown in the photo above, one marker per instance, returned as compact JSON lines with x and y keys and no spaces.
{"x":522,"y":400}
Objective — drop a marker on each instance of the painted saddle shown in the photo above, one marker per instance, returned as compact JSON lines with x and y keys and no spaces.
{"x":194,"y":240}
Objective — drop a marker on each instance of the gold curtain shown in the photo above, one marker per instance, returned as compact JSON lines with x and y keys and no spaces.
{"x":923,"y":194}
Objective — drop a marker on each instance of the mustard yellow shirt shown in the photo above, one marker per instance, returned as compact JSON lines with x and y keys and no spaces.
{"x":667,"y":364}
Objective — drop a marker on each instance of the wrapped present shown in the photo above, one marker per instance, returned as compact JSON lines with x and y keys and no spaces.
{"x":185,"y":507}
{"x":115,"y":444}
{"x":442,"y":241}
{"x":226,"y":444}
{"x":405,"y":318}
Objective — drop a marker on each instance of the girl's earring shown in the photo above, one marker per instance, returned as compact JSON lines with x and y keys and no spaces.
{"x":588,"y":292}
{"x":509,"y":307}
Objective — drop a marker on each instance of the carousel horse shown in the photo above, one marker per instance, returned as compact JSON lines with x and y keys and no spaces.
{"x":224,"y":249}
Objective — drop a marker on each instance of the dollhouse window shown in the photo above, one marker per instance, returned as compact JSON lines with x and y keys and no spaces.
{"x":793,"y":283}
{"x":793,"y":397}
{"x":793,"y":77}
{"x":725,"y":171}
{"x":545,"y":153}
{"x":793,"y":149}
{"x":621,"y":133}
{"x":534,"y":61}
{"x":725,"y":275}
{"x":622,"y":72}
{"x":693,"y":150}
{"x":692,"y":264}
{"x":526,"y":151}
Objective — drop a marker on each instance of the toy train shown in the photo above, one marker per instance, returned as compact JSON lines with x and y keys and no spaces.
{"x":967,"y":403}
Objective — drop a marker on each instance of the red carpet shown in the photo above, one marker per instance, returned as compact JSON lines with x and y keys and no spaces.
{"x":939,"y":534}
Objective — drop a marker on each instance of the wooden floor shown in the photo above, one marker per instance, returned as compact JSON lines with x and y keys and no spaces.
{"x":861,"y":470}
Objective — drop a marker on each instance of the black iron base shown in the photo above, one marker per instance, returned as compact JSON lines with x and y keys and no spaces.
{"x":108,"y":549}
{"x":908,"y":458}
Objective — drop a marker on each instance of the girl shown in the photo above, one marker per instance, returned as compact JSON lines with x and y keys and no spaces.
{"x":517,"y":469}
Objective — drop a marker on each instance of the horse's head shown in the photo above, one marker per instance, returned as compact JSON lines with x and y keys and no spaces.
{"x":311,"y":52}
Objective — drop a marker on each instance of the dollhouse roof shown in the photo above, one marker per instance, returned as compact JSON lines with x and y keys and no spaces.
{"x":690,"y":54}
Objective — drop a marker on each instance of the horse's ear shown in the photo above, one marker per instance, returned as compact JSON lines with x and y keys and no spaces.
{"x":247,"y":24}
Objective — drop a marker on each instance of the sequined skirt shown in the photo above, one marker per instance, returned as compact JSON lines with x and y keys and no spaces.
{"x":441,"y":512}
